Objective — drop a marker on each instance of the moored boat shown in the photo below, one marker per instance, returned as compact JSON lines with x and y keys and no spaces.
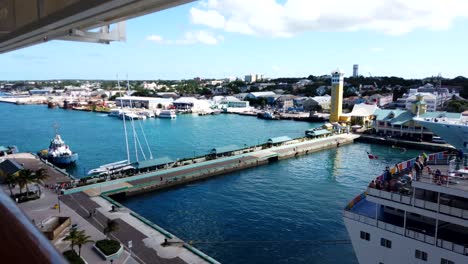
{"x":168,"y":114}
{"x":59,"y":153}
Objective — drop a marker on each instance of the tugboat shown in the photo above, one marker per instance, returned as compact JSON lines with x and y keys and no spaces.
{"x":59,"y":153}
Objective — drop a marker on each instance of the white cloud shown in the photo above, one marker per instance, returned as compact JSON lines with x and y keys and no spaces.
{"x":271,"y":18}
{"x":155,"y":38}
{"x":276,"y":68}
{"x":376,"y":50}
{"x":203,"y":37}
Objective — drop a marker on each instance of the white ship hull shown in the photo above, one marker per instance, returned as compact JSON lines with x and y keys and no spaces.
{"x":453,"y":133}
{"x":402,"y":250}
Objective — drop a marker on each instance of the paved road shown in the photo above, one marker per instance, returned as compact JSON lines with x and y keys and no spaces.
{"x":82,"y":204}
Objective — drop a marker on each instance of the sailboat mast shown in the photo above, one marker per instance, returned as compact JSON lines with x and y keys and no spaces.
{"x":124,"y":124}
{"x":132,"y":122}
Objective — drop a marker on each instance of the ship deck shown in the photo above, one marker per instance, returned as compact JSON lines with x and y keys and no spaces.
{"x":446,"y":231}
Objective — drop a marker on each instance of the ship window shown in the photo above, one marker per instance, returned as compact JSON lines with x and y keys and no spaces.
{"x":420,"y":255}
{"x":446,"y":261}
{"x":385,"y":243}
{"x":365,"y":235}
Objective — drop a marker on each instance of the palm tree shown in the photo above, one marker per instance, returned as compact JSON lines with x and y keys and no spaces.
{"x":25,"y":177}
{"x":40,"y":176}
{"x":82,"y":239}
{"x":112,"y":226}
{"x":10,"y":180}
{"x":72,"y":237}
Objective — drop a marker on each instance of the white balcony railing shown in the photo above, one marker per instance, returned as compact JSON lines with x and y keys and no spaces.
{"x":407,"y":233}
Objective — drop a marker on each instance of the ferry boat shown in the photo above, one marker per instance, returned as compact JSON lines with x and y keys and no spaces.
{"x":413,"y":218}
{"x":168,"y":114}
{"x":59,"y":153}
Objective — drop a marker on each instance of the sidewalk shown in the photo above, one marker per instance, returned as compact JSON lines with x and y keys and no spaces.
{"x":41,"y":209}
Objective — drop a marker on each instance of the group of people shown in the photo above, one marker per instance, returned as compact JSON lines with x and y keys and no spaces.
{"x":419,"y":164}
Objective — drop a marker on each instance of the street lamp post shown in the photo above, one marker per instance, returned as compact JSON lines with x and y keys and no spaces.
{"x":58,"y":201}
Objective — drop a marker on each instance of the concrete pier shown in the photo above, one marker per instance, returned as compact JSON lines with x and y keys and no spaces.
{"x":92,"y":205}
{"x":164,"y":178}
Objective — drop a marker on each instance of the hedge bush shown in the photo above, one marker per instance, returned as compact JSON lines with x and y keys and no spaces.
{"x":107,"y":246}
{"x":72,"y":257}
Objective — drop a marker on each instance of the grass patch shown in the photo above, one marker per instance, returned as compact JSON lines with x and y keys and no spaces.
{"x":108,"y":247}
{"x":72,"y":257}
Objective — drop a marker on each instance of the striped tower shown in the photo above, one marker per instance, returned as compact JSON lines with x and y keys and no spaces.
{"x":336,"y":95}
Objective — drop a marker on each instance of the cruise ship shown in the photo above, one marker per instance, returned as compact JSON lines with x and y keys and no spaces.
{"x":406,"y":217}
{"x":454,"y":132}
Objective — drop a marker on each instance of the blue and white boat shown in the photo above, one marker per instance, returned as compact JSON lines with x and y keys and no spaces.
{"x":59,"y":153}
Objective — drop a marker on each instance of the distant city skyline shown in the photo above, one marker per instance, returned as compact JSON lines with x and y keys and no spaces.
{"x":293,"y":38}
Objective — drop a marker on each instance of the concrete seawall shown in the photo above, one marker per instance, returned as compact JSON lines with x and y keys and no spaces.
{"x":203,"y":170}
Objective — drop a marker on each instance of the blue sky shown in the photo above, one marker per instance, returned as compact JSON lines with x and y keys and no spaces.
{"x":212,"y":40}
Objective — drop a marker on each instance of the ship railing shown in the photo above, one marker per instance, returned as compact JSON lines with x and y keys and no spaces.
{"x":406,"y":199}
{"x":420,"y":236}
{"x":396,"y":197}
{"x":452,"y":246}
{"x":360,"y":218}
{"x":461,"y":249}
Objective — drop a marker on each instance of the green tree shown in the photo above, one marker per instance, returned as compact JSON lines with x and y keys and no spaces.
{"x":72,"y":235}
{"x":10,"y":180}
{"x":25,"y":177}
{"x":81,"y":239}
{"x":40,"y":176}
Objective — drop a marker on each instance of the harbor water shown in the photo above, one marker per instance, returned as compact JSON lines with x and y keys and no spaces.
{"x":286,"y":212}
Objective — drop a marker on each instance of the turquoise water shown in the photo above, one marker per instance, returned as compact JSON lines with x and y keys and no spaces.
{"x":278,"y":213}
{"x":99,"y":139}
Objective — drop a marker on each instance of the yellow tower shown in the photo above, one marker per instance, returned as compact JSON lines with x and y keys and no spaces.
{"x":336,"y":95}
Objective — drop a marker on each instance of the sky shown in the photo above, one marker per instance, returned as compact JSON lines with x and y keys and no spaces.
{"x":277,"y":38}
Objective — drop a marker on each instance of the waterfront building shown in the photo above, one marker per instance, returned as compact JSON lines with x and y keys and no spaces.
{"x":336,"y":95}
{"x":355,"y":70}
{"x":362,"y":114}
{"x":240,"y":96}
{"x":143,"y":102}
{"x":257,"y":95}
{"x":238,"y":104}
{"x":400,"y":122}
{"x":191,"y":104}
{"x":167,"y":95}
{"x":44,"y":91}
{"x":9,"y":167}
{"x":311,"y":103}
{"x":285,"y":102}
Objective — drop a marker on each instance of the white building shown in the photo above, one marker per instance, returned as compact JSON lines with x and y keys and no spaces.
{"x":192,"y":104}
{"x":430,"y":99}
{"x":143,"y":102}
{"x":251,"y":78}
{"x":255,"y":95}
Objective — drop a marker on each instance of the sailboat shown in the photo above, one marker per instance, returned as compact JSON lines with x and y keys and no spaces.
{"x":125,"y":166}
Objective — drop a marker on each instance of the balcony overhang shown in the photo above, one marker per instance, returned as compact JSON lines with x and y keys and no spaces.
{"x":28,"y":22}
